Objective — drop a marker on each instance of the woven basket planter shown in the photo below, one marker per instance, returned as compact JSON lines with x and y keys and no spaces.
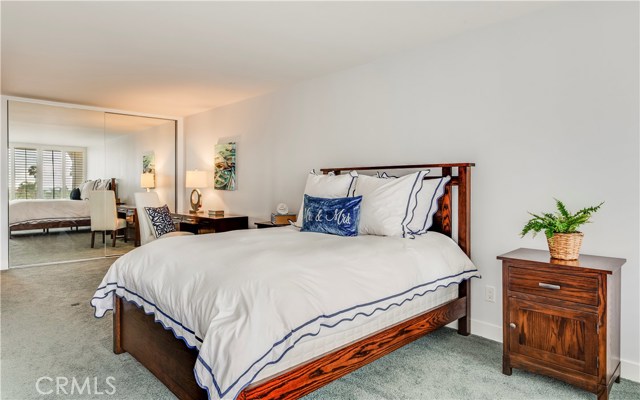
{"x":565,"y":246}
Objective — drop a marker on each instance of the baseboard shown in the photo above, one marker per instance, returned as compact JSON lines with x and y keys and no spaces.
{"x":629,"y":370}
{"x":486,"y":330}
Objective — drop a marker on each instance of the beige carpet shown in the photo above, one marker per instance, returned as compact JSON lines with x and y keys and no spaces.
{"x":48,"y":331}
{"x":34,"y":247}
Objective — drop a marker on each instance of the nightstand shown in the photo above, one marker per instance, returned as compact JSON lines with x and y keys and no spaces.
{"x":267,"y":224}
{"x":201,"y":223}
{"x":562,"y":318}
{"x":130,"y":214}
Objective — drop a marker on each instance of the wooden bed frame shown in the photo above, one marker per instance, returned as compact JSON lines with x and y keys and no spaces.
{"x":172,"y":362}
{"x":64,"y":223}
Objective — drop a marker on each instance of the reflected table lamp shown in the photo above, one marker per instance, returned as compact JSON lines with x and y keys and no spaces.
{"x":196,"y":180}
{"x":148,"y":181}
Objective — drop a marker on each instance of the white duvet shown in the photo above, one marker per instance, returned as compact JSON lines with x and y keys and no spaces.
{"x":245,"y":298}
{"x":43,"y":210}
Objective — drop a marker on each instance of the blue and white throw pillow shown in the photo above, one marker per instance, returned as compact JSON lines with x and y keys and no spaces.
{"x":337,"y":216}
{"x":161,"y":221}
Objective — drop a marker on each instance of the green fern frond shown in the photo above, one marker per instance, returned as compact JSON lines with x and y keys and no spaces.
{"x":561,"y":207}
{"x":561,"y":222}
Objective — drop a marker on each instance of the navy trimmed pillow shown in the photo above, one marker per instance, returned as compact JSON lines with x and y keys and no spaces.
{"x":161,"y":221}
{"x":75,"y":194}
{"x":337,"y":216}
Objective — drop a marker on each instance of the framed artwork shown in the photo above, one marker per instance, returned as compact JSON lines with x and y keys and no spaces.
{"x":225,"y":166}
{"x":149,"y":162}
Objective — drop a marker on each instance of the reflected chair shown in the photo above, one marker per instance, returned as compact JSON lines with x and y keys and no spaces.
{"x":150,"y":199}
{"x":104,"y":215}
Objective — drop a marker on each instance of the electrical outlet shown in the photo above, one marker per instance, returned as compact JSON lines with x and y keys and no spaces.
{"x":490,"y":294}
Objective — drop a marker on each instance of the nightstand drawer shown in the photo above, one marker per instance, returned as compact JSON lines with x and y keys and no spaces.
{"x":578,"y":289}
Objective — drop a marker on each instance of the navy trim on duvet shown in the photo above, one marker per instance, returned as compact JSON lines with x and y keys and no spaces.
{"x":222,"y":393}
{"x":191,"y":331}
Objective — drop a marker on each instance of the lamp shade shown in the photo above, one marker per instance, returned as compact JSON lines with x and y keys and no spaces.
{"x":196,"y":179}
{"x":147,"y":180}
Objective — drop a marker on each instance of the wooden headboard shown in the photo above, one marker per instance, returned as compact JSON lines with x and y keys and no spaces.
{"x":460,"y":177}
{"x":114,"y":187}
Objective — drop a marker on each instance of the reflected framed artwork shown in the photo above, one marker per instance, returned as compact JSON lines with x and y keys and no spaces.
{"x":149,"y":162}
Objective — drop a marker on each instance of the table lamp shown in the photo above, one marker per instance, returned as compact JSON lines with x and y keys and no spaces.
{"x":148,"y":181}
{"x":196,"y":180}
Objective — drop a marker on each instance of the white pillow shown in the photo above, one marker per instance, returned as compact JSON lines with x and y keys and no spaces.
{"x":329,"y":186}
{"x":102,"y":184}
{"x":85,"y":188}
{"x":388,"y":205}
{"x":98,"y":184}
{"x":428,"y":197}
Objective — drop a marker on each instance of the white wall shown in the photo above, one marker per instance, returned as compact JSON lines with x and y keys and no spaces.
{"x":546,"y":105}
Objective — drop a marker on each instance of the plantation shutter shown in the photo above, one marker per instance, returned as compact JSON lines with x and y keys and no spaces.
{"x":25,"y":172}
{"x":52,"y":174}
{"x":74,"y":170}
{"x":49,"y":172}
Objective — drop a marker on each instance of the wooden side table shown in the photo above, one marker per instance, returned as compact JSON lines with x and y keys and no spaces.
{"x":201,"y":223}
{"x":562,"y":318}
{"x":131,"y":215}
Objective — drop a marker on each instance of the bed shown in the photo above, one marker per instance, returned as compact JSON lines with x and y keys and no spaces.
{"x":49,"y":213}
{"x":254,"y":314}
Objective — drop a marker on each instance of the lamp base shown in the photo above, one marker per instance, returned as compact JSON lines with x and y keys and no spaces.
{"x":196,"y":201}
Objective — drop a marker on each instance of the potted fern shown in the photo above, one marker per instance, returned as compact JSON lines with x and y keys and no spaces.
{"x":561,"y":229}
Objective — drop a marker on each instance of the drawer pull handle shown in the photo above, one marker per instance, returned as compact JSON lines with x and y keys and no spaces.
{"x":549,"y":286}
{"x":512,"y":325}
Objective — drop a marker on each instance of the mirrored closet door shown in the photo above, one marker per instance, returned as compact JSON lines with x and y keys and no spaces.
{"x":73,"y":175}
{"x":140,"y":152}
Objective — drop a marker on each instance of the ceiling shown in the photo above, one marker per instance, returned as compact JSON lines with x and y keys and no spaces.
{"x":181,"y":58}
{"x":38,"y":123}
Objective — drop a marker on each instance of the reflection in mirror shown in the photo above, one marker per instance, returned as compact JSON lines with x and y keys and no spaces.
{"x":140,"y":153}
{"x":57,"y":157}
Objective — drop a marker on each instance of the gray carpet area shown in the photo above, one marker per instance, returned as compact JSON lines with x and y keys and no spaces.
{"x":48,"y":330}
{"x":35,"y":247}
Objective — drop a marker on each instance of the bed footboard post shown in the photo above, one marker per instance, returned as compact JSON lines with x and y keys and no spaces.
{"x":117,"y":325}
{"x":464,"y":241}
{"x":464,"y":323}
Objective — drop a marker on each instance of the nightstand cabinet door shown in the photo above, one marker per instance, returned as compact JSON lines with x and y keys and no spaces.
{"x":563,"y":337}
